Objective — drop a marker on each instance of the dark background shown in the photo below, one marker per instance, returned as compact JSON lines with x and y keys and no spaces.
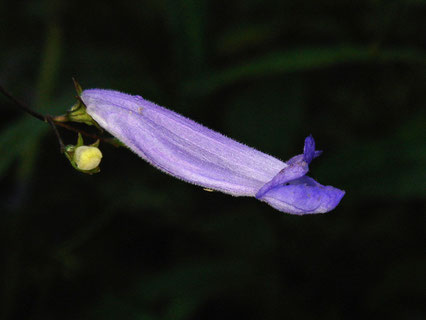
{"x":134,"y":243}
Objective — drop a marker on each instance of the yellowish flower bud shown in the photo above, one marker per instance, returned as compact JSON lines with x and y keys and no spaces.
{"x":87,"y":158}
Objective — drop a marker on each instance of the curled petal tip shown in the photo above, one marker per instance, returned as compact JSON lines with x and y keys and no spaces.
{"x":317,"y":153}
{"x":309,"y":149}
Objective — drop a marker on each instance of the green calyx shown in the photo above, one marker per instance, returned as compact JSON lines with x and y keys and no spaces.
{"x":78,"y":112}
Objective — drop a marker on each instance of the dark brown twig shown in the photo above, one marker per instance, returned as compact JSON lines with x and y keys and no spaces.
{"x":55,"y":129}
{"x":87,"y":134}
{"x":22,"y":105}
{"x":54,"y":124}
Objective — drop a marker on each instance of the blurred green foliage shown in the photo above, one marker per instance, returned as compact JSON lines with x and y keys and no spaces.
{"x":133,"y":243}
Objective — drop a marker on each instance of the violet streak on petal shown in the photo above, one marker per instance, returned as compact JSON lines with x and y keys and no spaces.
{"x":196,"y":154}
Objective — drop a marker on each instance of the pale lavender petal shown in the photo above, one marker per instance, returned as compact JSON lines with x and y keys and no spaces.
{"x":196,"y":154}
{"x":180,"y":146}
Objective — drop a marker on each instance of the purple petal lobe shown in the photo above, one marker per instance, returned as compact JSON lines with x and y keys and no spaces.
{"x":303,"y":196}
{"x":294,"y":171}
{"x":309,"y":149}
{"x":317,"y":153}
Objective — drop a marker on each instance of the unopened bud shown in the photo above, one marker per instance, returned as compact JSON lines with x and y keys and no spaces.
{"x":87,"y":158}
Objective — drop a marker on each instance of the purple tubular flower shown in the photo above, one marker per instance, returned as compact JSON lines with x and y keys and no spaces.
{"x":196,"y":154}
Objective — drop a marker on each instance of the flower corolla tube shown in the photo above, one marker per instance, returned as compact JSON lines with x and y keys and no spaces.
{"x":191,"y":152}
